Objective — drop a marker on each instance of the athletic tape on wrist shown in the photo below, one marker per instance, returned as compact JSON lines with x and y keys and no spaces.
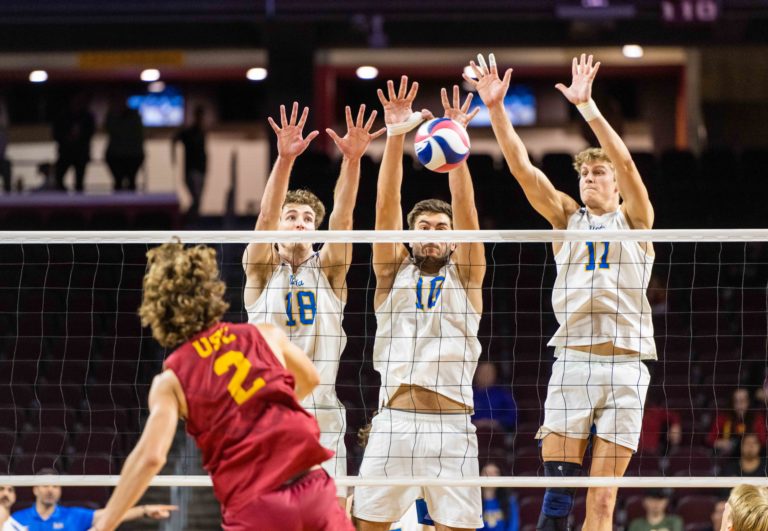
{"x":402,"y":128}
{"x":589,"y":110}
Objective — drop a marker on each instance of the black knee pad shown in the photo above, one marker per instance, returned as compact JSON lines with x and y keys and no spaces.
{"x":558,"y":501}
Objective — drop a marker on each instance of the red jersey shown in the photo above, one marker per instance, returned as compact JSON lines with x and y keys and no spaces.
{"x":243,"y":413}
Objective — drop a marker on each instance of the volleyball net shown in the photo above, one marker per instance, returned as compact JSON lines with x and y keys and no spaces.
{"x":76,"y":364}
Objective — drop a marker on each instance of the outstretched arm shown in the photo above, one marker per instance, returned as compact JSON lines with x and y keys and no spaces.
{"x":553,"y":205}
{"x":149,"y":455}
{"x":469,"y":257}
{"x":637,"y":204}
{"x":258,"y":258}
{"x":336,"y":257}
{"x":292,"y":358}
{"x":387,"y":257}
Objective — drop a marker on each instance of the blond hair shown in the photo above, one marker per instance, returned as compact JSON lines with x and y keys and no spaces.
{"x":183,"y":294}
{"x":305,"y":197}
{"x":429,"y":206}
{"x":749,"y":508}
{"x":590,"y":156}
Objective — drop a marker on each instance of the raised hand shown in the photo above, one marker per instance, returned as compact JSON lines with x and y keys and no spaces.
{"x":489,"y":86}
{"x":457,"y":111}
{"x":358,"y":137}
{"x":397,"y":107}
{"x":584,"y":73}
{"x":290,"y":140}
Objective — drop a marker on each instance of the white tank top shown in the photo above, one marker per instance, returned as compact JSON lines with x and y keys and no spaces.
{"x":306,"y":307}
{"x":426,"y":335}
{"x":600,"y":291}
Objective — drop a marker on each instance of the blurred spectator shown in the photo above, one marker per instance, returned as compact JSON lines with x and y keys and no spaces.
{"x":657,"y":296}
{"x":47,"y":514}
{"x":728,"y":428}
{"x":501,"y":511}
{"x":746,"y":509}
{"x":655,"y":503}
{"x":5,"y":164}
{"x":717,"y":515}
{"x":494,"y":405}
{"x":72,"y":131}
{"x":658,"y":423}
{"x":195,"y":158}
{"x":125,"y":151}
{"x":751,"y":462}
{"x":7,"y":499}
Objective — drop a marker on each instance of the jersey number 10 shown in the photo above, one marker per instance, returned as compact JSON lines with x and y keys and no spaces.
{"x":603,"y":258}
{"x":435,"y":288}
{"x":307,"y":307}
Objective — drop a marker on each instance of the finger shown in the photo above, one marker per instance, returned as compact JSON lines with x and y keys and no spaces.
{"x":456,"y":100}
{"x":582,"y":63}
{"x":274,"y":126}
{"x":336,"y":139}
{"x":492,"y":64}
{"x":378,"y":133}
{"x":427,"y":114}
{"x":574,"y":67}
{"x":303,"y":118}
{"x":476,"y":70}
{"x":481,"y":62}
{"x":370,"y":121}
{"x":507,"y":77}
{"x":412,"y":93}
{"x":473,"y":114}
{"x":348,"y":117}
{"x":472,"y":81}
{"x":467,"y":102}
{"x":594,"y":71}
{"x":283,"y":119}
{"x":380,"y":94}
{"x":403,"y":87}
{"x":310,"y":137}
{"x":294,"y":112}
{"x":589,"y":62}
{"x":360,"y":115}
{"x":562,"y":88}
{"x":391,"y":89}
{"x":444,"y":99}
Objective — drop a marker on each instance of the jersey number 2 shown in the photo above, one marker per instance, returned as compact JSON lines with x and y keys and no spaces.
{"x":307,"y":307}
{"x":603,"y":259}
{"x":242,"y":366}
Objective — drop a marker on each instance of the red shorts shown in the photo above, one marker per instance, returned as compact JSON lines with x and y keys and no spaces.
{"x":309,"y":504}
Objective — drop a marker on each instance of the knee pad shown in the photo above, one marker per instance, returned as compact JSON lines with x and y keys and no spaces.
{"x":558,"y":501}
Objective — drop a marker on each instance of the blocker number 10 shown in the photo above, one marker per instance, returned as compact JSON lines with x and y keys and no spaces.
{"x":690,"y":10}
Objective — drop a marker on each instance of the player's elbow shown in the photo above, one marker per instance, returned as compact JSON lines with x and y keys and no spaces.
{"x":153,"y":461}
{"x":311,"y":378}
{"x":340,"y":221}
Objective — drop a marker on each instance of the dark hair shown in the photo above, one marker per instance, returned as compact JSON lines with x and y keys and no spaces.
{"x":429,"y":206}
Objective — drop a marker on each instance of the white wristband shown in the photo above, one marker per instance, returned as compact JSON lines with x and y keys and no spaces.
{"x":402,"y":128}
{"x":589,"y":110}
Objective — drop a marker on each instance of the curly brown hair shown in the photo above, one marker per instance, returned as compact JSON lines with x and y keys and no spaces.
{"x":305,"y":197}
{"x":182,"y":292}
{"x":590,"y":155}
{"x":429,"y":206}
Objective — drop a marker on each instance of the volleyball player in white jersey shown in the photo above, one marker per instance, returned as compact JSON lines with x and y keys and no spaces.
{"x":428,"y":309}
{"x":298,"y":289}
{"x":599,"y":300}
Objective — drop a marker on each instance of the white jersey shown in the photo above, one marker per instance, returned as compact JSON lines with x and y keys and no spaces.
{"x":426,"y":335}
{"x":306,"y":307}
{"x":600,"y":291}
{"x":13,"y":525}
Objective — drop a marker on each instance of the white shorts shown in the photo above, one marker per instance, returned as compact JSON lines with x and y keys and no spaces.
{"x":403,"y":443}
{"x":333,"y":426}
{"x":587,"y":389}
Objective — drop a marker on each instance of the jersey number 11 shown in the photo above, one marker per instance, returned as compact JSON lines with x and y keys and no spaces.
{"x":603,"y":259}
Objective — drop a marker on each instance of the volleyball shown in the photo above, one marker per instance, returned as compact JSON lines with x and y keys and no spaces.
{"x":442,"y":144}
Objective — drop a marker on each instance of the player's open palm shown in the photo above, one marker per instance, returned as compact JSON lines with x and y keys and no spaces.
{"x":584,"y":73}
{"x":489,"y":86}
{"x":290,"y":134}
{"x":457,"y":111}
{"x":398,"y":106}
{"x":359,"y":136}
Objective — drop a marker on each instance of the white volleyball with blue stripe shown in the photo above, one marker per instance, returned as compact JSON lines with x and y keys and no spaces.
{"x":442,"y":144}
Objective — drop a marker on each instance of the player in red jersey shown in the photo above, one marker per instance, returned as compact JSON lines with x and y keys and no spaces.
{"x":238,"y":387}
